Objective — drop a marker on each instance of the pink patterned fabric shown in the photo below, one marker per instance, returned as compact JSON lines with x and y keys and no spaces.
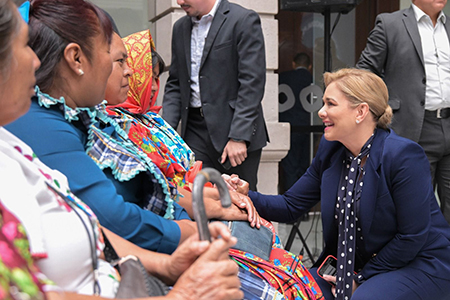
{"x":19,"y":277}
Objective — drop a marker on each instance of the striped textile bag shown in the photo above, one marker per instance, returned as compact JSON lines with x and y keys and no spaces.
{"x":284,"y":271}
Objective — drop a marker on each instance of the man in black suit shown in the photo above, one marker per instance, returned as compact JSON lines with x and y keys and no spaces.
{"x":410,"y":50}
{"x":291,"y":110}
{"x":216,"y":85}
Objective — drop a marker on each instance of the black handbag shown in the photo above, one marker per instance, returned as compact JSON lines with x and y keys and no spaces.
{"x":135,"y":281}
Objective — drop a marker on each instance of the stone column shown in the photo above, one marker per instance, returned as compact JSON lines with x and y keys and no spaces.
{"x":164,"y":13}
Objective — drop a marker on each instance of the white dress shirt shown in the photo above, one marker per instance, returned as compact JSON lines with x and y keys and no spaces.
{"x":200,"y":29}
{"x":436,"y":55}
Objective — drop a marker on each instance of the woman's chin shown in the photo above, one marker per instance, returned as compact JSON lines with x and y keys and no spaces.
{"x":326,"y":133}
{"x":329,"y":137}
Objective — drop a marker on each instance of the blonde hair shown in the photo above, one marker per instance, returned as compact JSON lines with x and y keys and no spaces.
{"x":361,"y":86}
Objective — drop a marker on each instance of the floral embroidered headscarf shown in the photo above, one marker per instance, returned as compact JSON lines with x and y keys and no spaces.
{"x":139,"y":47}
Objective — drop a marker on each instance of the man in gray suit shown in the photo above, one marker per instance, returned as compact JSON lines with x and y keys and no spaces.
{"x":216,"y":85}
{"x":410,"y":50}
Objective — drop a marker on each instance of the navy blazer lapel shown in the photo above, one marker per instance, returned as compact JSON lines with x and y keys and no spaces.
{"x":186,"y":35}
{"x":219,"y":18}
{"x":409,"y":19}
{"x":329,"y":189}
{"x":370,"y":189}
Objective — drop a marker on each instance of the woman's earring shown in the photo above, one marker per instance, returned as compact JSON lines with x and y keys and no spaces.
{"x":80,"y":72}
{"x":357,"y":121}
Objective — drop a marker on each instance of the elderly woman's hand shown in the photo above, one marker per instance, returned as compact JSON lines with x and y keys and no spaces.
{"x":209,"y":273}
{"x":186,"y":254}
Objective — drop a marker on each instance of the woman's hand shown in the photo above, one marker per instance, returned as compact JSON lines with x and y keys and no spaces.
{"x":246,"y":210}
{"x":238,"y":189}
{"x":236,"y":184}
{"x":245,"y":203}
{"x":207,"y":272}
{"x":332,"y":280}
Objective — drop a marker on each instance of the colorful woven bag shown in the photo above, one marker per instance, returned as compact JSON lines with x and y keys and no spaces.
{"x":284,"y":271}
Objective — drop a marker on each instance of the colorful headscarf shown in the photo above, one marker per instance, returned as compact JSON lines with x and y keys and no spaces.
{"x":138,"y":115}
{"x":139,"y":47}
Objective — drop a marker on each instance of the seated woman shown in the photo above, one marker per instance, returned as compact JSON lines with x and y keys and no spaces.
{"x":379,"y":213}
{"x":72,"y":80}
{"x":64,"y":239}
{"x":152,"y":137}
{"x":149,"y":131}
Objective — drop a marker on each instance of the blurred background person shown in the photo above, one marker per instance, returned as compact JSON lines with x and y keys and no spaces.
{"x":295,"y":163}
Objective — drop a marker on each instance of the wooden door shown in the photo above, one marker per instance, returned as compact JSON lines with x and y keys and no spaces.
{"x":366,"y":12}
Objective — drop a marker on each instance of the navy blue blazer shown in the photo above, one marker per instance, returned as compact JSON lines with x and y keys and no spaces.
{"x":400,"y":219}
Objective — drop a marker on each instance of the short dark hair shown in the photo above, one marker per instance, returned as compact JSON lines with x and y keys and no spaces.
{"x":157,"y":59}
{"x":302,"y":59}
{"x":56,"y":23}
{"x":9,"y":27}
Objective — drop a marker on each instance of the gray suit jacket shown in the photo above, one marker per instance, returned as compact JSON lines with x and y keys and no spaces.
{"x":394,"y":52}
{"x":232,"y":77}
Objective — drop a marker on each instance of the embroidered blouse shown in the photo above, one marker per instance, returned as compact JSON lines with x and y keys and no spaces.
{"x":159,"y":141}
{"x":111,"y":148}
